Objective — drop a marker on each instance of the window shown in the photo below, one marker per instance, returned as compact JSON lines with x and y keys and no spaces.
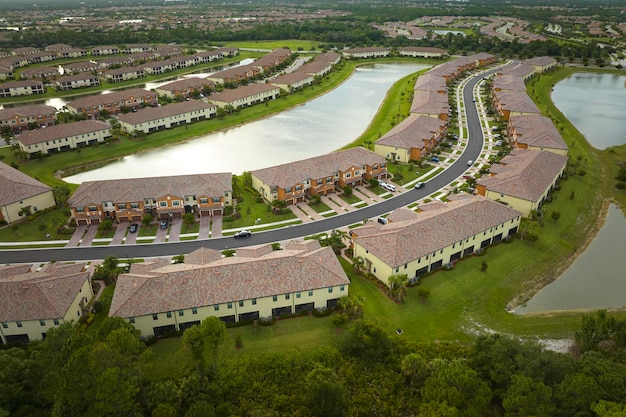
{"x":298,"y":295}
{"x":194,"y":310}
{"x":342,"y":288}
{"x":216,"y":199}
{"x":274,"y":298}
{"x":155,"y":317}
{"x":56,"y":322}
{"x":330,"y":290}
{"x":254,"y":301}
{"x":181,"y":313}
{"x":134,"y":205}
{"x":163,"y":203}
{"x":169,"y":314}
{"x":131,"y":320}
{"x":42,"y":322}
{"x":241,"y":303}
{"x":287,"y":296}
{"x":229,"y":305}
{"x":121,"y":206}
{"x":93,"y":208}
{"x":204,"y":200}
{"x":310,"y":293}
{"x":216,"y":307}
{"x":176,"y":203}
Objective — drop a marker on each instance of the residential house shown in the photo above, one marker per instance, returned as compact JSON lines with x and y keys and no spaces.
{"x":152,"y":119}
{"x":440,"y":234}
{"x":70,"y":82}
{"x":28,"y":50}
{"x":366,"y":52}
{"x":534,"y":131}
{"x":293,"y":181}
{"x":40,"y":57}
{"x":159,"y":67}
{"x":78,"y":67}
{"x":245,"y":96}
{"x":57,"y":47}
{"x":271,"y":60}
{"x":431,"y":82}
{"x":21,"y":195}
{"x":422,"y":52}
{"x":5,"y":72}
{"x":523,"y":179}
{"x":208,"y":56}
{"x":234,"y":75}
{"x":513,"y":103}
{"x":481,"y":59}
{"x":294,"y":81}
{"x":14,"y":62}
{"x":520,"y":69}
{"x":72,"y":53}
{"x":186,"y":87}
{"x":331,"y":57}
{"x":116,"y":61}
{"x":19,"y":118}
{"x":118,"y":75}
{"x":128,"y":200}
{"x":315,"y":68}
{"x":541,"y":63}
{"x":21,"y":88}
{"x":105,"y":50}
{"x":431,"y":104}
{"x":228,"y":51}
{"x":135,"y":48}
{"x":508,"y":82}
{"x":255,"y":284}
{"x":410,"y":139}
{"x":114,"y":102}
{"x":33,"y":302}
{"x":40,"y":72}
{"x":63,"y":137}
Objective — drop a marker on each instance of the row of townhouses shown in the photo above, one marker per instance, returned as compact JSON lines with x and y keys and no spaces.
{"x":21,"y":195}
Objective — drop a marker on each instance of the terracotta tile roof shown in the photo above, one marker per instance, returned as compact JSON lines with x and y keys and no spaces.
{"x":196,"y":82}
{"x":230,"y":95}
{"x":203,"y":256}
{"x":328,"y":57}
{"x":21,"y":83}
{"x":124,"y":70}
{"x":412,"y":132}
{"x":184,"y":286}
{"x":286,"y":175}
{"x":16,"y":186}
{"x":77,"y":77}
{"x":293,"y":77}
{"x":39,"y":295}
{"x":26,"y":111}
{"x":155,"y":113}
{"x":537,"y":131}
{"x":508,"y":82}
{"x":541,"y":61}
{"x":365,"y":50}
{"x":522,"y":70}
{"x":60,"y":131}
{"x":430,"y":82}
{"x":136,"y":189}
{"x":400,"y":242}
{"x":429,"y":102}
{"x":525,"y":173}
{"x":422,"y":49}
{"x":516,"y":101}
{"x":273,"y":58}
{"x":115,"y":97}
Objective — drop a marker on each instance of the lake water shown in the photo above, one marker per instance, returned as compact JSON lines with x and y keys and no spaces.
{"x":445,"y":32}
{"x":596,"y":105}
{"x":595,"y":280}
{"x":312,"y":129}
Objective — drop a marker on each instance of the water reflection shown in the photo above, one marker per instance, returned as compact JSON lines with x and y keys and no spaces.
{"x":595,"y":279}
{"x":596,"y":105}
{"x":315,"y":128}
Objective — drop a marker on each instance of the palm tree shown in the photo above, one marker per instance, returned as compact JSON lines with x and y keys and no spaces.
{"x":357,"y":263}
{"x":397,"y":287}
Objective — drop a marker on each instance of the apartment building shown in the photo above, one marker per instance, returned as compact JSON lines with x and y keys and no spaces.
{"x":21,"y":195}
{"x":63,"y":137}
{"x":412,"y":138}
{"x":152,"y":119}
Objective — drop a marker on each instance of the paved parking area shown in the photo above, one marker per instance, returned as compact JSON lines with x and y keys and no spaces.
{"x":205,"y":227}
{"x":77,"y":236}
{"x":216,"y":228}
{"x":175,"y":226}
{"x":90,"y":235}
{"x":118,"y":238}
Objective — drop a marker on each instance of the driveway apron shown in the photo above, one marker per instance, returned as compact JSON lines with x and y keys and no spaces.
{"x":216,"y":229}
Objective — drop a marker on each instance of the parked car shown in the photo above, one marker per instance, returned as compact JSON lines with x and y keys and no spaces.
{"x":419,"y":185}
{"x":434,"y":159}
{"x":499,"y":143}
{"x":243,"y":233}
{"x":133,"y":228}
{"x":382,"y":184}
{"x":383,"y":220}
{"x":391,"y":187}
{"x":470,"y":163}
{"x":164,"y":224}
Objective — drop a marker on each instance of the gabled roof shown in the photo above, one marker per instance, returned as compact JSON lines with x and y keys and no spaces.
{"x":26,"y":111}
{"x":429,"y":102}
{"x":169,"y":110}
{"x":61,"y":131}
{"x":246,"y":91}
{"x":48,"y":294}
{"x":16,"y":186}
{"x":291,"y":173}
{"x":412,"y":132}
{"x":137,"y":189}
{"x":537,"y":131}
{"x":516,"y":101}
{"x":524,"y":173}
{"x":439,"y":226}
{"x":184,"y":286}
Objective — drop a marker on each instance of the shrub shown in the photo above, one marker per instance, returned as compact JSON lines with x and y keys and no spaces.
{"x":621,"y":185}
{"x":266,"y":321}
{"x":3,"y":222}
{"x":322,"y":312}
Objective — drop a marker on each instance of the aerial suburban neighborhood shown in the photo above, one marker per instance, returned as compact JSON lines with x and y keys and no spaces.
{"x":396,"y":274}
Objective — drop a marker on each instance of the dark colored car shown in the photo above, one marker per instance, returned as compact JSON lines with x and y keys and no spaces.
{"x":164,"y":224}
{"x":133,"y":228}
{"x":243,"y":233}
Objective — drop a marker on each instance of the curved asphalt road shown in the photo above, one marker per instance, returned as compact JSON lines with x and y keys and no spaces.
{"x":472,"y":151}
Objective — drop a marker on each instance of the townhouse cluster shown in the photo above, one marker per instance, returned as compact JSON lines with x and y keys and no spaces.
{"x":119,"y":64}
{"x":440,"y":234}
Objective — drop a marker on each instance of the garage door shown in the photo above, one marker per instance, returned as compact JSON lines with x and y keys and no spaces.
{"x":95,"y":221}
{"x":82,"y":222}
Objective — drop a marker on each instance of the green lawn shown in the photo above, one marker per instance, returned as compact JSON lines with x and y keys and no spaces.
{"x":193,"y":228}
{"x":34,"y":230}
{"x":320,"y":208}
{"x":105,"y":298}
{"x":150,"y":230}
{"x":350,"y":199}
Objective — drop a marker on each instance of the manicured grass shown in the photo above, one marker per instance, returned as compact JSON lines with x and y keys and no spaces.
{"x":320,"y":208}
{"x":105,"y":298}
{"x":350,"y":199}
{"x":190,"y":228}
{"x":150,"y":230}
{"x":183,"y":238}
{"x":294,"y":44}
{"x":106,"y":233}
{"x":250,"y":210}
{"x":290,"y":334}
{"x":26,"y":231}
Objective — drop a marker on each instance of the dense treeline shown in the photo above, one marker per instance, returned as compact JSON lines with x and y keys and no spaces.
{"x":366,"y":373}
